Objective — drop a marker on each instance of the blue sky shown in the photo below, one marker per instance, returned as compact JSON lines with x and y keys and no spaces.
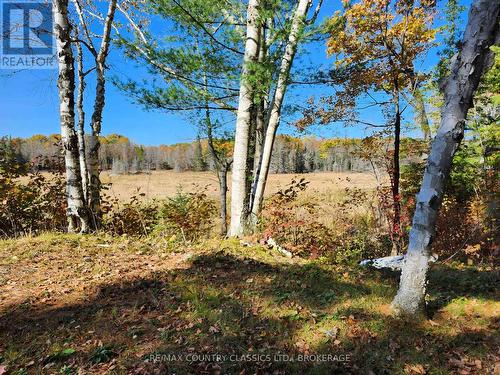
{"x":29,"y":102}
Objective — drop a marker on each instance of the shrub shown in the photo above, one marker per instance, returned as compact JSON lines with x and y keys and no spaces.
{"x":133,"y":218}
{"x":29,"y":201}
{"x":459,"y":225}
{"x":359,"y":245}
{"x":463,"y":217}
{"x":187,"y":215}
{"x":294,"y":225}
{"x":360,"y":226}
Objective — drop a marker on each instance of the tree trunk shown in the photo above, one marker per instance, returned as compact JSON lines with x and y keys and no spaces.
{"x":467,"y":68}
{"x":223,"y":199}
{"x":239,"y":198}
{"x":94,"y":184}
{"x":396,"y":201}
{"x":261,"y":109}
{"x":96,"y":122}
{"x":421,"y":114}
{"x":276,"y":105}
{"x":259,"y":137}
{"x":222,"y":165}
{"x":81,"y":123}
{"x":76,"y":211}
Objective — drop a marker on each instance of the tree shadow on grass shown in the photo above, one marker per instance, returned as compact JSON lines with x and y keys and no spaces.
{"x":385,"y":345}
{"x":448,"y":283}
{"x":220,"y":304}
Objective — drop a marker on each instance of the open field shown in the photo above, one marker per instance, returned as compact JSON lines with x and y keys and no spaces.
{"x":101,"y":305}
{"x":165,"y":183}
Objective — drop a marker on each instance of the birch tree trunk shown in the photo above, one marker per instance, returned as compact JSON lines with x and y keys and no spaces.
{"x":96,"y":122}
{"x":81,"y":122}
{"x":260,"y":125}
{"x":480,"y":33}
{"x":298,"y":22}
{"x":76,"y":211}
{"x":243,"y":124}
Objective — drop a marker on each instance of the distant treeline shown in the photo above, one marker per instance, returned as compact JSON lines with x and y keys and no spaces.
{"x":120,"y":155}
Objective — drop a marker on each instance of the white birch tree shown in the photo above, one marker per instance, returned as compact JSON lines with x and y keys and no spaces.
{"x":81,"y":120}
{"x":100,"y":55}
{"x":239,"y":197}
{"x":467,"y":68}
{"x":298,"y":23}
{"x":76,"y":212}
{"x":245,"y":204}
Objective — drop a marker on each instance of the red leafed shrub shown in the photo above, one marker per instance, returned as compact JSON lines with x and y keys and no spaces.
{"x":294,"y":225}
{"x":459,"y":226}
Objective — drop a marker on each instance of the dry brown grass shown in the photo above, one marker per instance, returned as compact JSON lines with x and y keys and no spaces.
{"x":166,"y":183}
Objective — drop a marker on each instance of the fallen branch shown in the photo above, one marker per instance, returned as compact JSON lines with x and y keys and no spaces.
{"x":271,"y":242}
{"x":393,"y":263}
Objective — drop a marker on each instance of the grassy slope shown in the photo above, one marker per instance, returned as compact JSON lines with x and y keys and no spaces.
{"x":103,"y":305}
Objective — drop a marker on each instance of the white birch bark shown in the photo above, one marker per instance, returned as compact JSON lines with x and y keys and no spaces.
{"x":76,"y":211}
{"x":81,"y":121}
{"x":261,"y":108}
{"x":94,"y":184}
{"x":480,"y":33}
{"x":298,"y":22}
{"x":243,"y":121}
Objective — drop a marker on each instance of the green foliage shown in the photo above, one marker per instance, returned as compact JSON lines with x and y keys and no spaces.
{"x":11,"y":162}
{"x":361,"y":245}
{"x":187,"y":215}
{"x":466,"y":177}
{"x":411,"y":178}
{"x":464,"y":221}
{"x":187,"y":67}
{"x":60,"y":355}
{"x":492,"y":77}
{"x":451,"y":34}
{"x":199,"y":157}
{"x":103,"y":354}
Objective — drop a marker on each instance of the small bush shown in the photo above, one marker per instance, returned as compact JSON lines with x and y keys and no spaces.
{"x":361,"y":226}
{"x":463,"y":219}
{"x":459,"y":225}
{"x":187,"y":215}
{"x":294,"y":225}
{"x":133,"y":218}
{"x":360,"y":245}
{"x":29,"y":201}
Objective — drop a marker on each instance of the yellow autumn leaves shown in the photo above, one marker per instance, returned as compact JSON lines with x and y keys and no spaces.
{"x":389,"y":35}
